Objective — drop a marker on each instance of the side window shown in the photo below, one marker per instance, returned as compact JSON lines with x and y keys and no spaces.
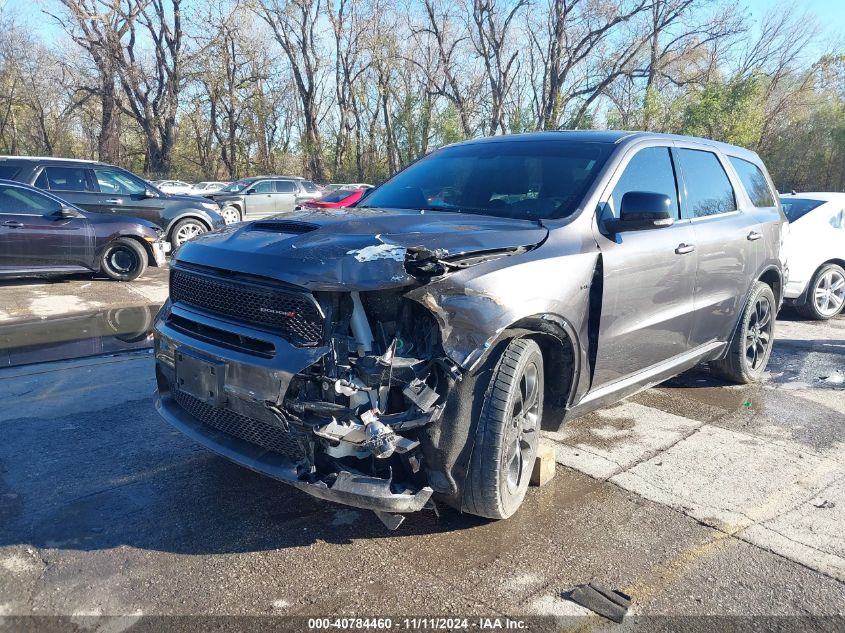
{"x":285,"y":186}
{"x":754,"y":182}
{"x":265,"y":186}
{"x":67,"y":179}
{"x":14,"y":200}
{"x":649,"y":170}
{"x":709,"y":191}
{"x":118,"y":182}
{"x":837,"y":220}
{"x":309,"y":186}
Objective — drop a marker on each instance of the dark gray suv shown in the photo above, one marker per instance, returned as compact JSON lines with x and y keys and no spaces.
{"x":103,"y":188}
{"x":411,"y":348}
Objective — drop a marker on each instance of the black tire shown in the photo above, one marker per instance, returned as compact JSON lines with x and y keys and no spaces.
{"x":507,"y":435}
{"x":751,"y":344}
{"x":823,"y":280}
{"x":185,"y":230}
{"x":124,"y":259}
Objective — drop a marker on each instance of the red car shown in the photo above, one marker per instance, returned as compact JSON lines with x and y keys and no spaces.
{"x":335,"y":199}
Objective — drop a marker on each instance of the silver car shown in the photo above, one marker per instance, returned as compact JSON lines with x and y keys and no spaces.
{"x":260,"y":196}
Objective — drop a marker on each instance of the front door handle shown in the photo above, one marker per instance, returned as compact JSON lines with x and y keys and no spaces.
{"x":754,"y":235}
{"x":683,"y":249}
{"x":114,"y":201}
{"x":12,"y":224}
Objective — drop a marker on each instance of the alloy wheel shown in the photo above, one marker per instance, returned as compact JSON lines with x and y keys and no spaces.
{"x":188,"y":231}
{"x":758,"y":336}
{"x":829,"y":293}
{"x":230,"y":215}
{"x":523,"y":436}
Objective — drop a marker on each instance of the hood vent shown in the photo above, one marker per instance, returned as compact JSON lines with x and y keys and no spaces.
{"x":273,"y":226}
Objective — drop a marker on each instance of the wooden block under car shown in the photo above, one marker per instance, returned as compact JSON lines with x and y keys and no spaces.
{"x":544,"y":466}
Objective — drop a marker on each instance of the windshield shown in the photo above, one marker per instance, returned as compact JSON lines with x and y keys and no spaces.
{"x":237,"y":186}
{"x":795,"y":208}
{"x":521,"y":179}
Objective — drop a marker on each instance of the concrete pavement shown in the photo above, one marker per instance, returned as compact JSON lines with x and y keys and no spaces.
{"x":695,"y":497}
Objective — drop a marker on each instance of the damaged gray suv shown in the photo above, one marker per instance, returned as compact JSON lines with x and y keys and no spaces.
{"x":412,"y":348}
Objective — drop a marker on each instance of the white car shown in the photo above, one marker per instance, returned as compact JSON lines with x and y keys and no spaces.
{"x":815,"y":253}
{"x":206,"y":186}
{"x":173,"y":186}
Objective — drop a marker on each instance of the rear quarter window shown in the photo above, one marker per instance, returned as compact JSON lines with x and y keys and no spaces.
{"x":754,"y":181}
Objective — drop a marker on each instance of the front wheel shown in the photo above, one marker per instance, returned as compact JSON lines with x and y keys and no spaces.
{"x":124,"y":260}
{"x":507,"y":435}
{"x":751,"y":345}
{"x":825,"y":294}
{"x":185,"y":230}
{"x":230,"y":214}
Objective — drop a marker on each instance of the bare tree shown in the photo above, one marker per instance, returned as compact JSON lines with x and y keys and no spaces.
{"x":294,"y":24}
{"x":491,"y":28}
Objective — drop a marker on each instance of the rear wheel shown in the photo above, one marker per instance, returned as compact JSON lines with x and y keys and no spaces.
{"x":507,"y":435}
{"x":751,"y":345}
{"x":124,"y":260}
{"x":825,"y":294}
{"x":185,"y":230}
{"x":230,"y":214}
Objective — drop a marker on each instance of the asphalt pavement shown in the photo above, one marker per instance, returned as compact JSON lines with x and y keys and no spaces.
{"x":695,"y":497}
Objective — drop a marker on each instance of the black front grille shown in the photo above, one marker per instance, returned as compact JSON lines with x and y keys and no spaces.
{"x":292,"y":314}
{"x":257,"y":432}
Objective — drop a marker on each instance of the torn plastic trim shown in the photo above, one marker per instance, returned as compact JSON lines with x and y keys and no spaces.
{"x":359,"y":491}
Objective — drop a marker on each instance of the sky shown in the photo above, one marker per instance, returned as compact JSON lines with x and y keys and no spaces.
{"x":830,"y":14}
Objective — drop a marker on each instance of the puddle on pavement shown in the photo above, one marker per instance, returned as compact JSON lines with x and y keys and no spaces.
{"x":76,"y":336}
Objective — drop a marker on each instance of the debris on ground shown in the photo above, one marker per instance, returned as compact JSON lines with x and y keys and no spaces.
{"x":611,"y":604}
{"x":825,"y":503}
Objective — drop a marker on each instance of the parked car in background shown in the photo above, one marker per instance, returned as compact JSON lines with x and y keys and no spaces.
{"x":815,"y":253}
{"x":41,"y":234}
{"x":206,"y":186}
{"x":414,"y":345}
{"x":335,"y":199}
{"x":103,"y":188}
{"x":260,"y":196}
{"x":173,"y":186}
{"x":352,"y":185}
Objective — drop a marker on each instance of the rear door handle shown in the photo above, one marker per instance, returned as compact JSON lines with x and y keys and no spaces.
{"x":754,"y":235}
{"x":12,"y":224}
{"x":683,"y":249}
{"x":114,"y":201}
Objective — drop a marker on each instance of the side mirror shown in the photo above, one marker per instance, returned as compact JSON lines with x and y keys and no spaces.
{"x":249,"y":192}
{"x":641,"y":211}
{"x":65,"y":213}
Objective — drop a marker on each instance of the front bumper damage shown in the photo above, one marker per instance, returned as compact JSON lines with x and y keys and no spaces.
{"x":352,"y":489}
{"x":345,"y":452}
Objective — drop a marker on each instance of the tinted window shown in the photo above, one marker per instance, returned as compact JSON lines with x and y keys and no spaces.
{"x":265,"y":186}
{"x":8,"y":172}
{"x":754,"y":182}
{"x":507,"y":178}
{"x":67,"y":179}
{"x":337,"y":196}
{"x":649,"y":170}
{"x":116,"y":181}
{"x":709,"y":192}
{"x":285,"y":186}
{"x":24,"y":201}
{"x":795,"y":208}
{"x":309,"y":186}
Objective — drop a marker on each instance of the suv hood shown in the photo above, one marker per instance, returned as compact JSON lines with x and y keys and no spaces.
{"x":353,"y":249}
